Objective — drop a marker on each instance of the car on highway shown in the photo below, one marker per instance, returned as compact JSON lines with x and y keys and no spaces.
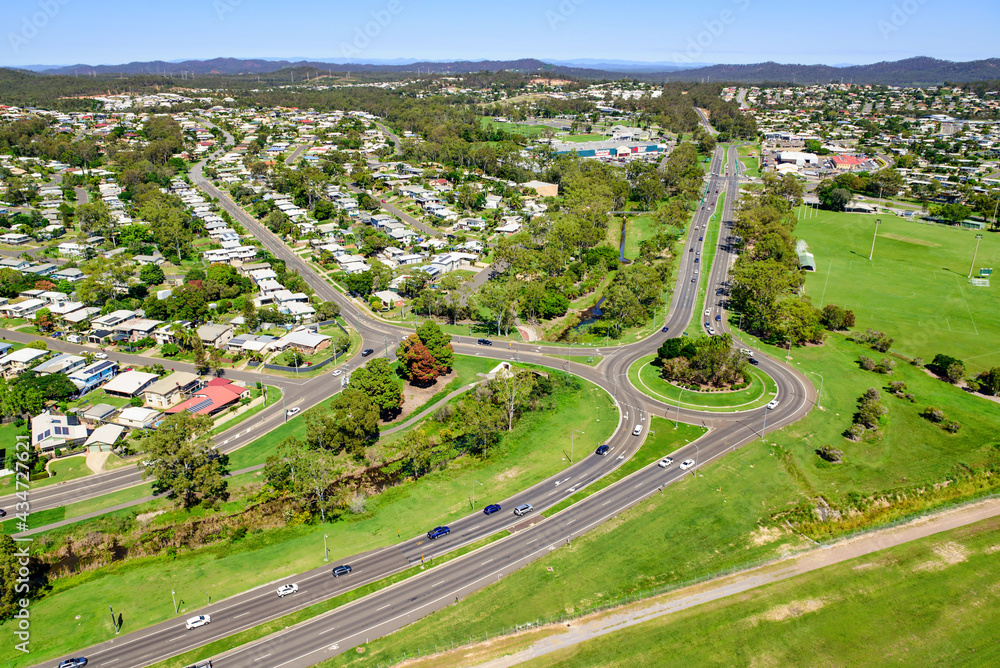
{"x":367,"y":351}
{"x":523,"y":509}
{"x":437,"y":532}
{"x":753,"y":361}
{"x":492,"y":508}
{"x":718,"y":291}
{"x":718,"y":318}
{"x":666,"y":462}
{"x":637,"y":430}
{"x":292,"y":411}
{"x":772,"y":404}
{"x":692,"y":250}
{"x":3,"y":513}
{"x":484,"y":342}
{"x":701,"y":238}
{"x":195,"y":622}
{"x":100,"y":356}
{"x":693,"y":280}
{"x":602,"y":450}
{"x":341,"y":570}
{"x":686,"y":464}
{"x":665,"y":329}
{"x":711,"y":331}
{"x":696,"y":259}
{"x":73,"y":663}
{"x":707,"y":324}
{"x":285,"y":590}
{"x":707,"y":312}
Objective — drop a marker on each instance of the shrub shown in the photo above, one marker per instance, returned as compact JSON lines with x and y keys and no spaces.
{"x":932,"y":414}
{"x":897,"y":387}
{"x":830,"y":454}
{"x":866,"y":363}
{"x":855,"y":432}
{"x":885,"y":366}
{"x":952,"y":427}
{"x":917,"y":361}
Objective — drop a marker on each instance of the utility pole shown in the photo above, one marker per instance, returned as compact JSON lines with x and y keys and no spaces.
{"x":979,"y":238}
{"x":877,"y":222}
{"x":474,"y":483}
{"x":820,"y":395}
{"x":574,"y":433}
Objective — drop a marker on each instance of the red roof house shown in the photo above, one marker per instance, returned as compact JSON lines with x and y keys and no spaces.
{"x":214,"y":397}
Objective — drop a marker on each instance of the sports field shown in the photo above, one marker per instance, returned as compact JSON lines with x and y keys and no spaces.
{"x":916,"y":287}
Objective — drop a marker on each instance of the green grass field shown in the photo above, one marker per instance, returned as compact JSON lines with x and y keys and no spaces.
{"x":637,"y":230}
{"x":930,"y":602}
{"x":538,"y":446}
{"x":916,"y":289}
{"x":646,"y":378}
{"x":583,"y":137}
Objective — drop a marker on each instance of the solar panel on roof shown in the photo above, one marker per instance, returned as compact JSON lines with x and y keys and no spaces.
{"x":204,"y":403}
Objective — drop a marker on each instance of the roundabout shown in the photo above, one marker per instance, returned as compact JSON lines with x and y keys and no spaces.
{"x":646,"y":378}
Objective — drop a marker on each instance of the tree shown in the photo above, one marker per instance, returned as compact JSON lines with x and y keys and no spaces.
{"x":378,"y":380}
{"x":482,"y":422}
{"x":180,"y":456}
{"x":304,"y":473}
{"x":170,"y":349}
{"x":438,"y":343}
{"x":510,"y":389}
{"x":836,"y":318}
{"x":836,"y":199}
{"x":500,"y":297}
{"x":354,"y":422}
{"x":418,"y":362}
{"x":200,"y":358}
{"x":989,"y":381}
{"x":952,"y":213}
{"x":151,"y":274}
{"x":294,"y":358}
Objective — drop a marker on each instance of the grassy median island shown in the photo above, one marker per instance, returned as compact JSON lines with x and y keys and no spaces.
{"x":645,"y":377}
{"x":930,"y":602}
{"x":140,"y":588}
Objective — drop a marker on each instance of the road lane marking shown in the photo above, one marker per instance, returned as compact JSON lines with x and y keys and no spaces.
{"x":383,"y":607}
{"x":263,"y":657}
{"x":243,"y":615}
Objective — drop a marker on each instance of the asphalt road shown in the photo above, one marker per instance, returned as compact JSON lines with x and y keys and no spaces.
{"x":396,"y":606}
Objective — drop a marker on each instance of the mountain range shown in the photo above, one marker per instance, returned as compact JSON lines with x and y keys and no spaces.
{"x":912,"y":71}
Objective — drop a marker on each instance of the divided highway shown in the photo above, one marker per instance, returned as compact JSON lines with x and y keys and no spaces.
{"x":532,"y":536}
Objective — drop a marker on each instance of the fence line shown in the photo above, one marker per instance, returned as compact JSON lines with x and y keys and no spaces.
{"x":666,"y":588}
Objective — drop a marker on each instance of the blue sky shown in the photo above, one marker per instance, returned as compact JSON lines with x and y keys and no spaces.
{"x":721,"y":31}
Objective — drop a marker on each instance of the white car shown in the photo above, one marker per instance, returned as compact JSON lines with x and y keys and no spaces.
{"x":666,"y":462}
{"x":101,"y":356}
{"x":337,"y":372}
{"x":772,"y":404}
{"x":686,"y":464}
{"x":292,"y":411}
{"x":637,"y":430}
{"x":195,"y":622}
{"x":285,"y":590}
{"x":708,"y":312}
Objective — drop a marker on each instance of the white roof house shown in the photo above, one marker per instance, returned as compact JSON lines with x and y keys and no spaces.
{"x":130,"y":383}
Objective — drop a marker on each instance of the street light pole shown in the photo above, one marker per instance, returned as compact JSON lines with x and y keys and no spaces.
{"x":979,"y":238}
{"x":474,"y":483}
{"x":326,"y":551}
{"x":877,"y":222}
{"x":820,"y":395}
{"x":575,"y":431}
{"x":678,"y":419}
{"x":174,"y":597}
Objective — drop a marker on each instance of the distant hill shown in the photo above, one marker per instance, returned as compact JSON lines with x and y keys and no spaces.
{"x":912,"y":71}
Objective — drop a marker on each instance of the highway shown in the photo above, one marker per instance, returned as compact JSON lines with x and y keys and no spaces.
{"x":535,"y":535}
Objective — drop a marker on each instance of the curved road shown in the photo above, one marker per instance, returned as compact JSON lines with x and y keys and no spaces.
{"x":389,"y":609}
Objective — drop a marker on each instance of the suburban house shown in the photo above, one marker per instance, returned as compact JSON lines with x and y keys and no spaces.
{"x":304,"y":340}
{"x":14,"y":239}
{"x":49,"y":431}
{"x":104,"y":437}
{"x":130,"y":383}
{"x":112,"y":320}
{"x":23,"y":309}
{"x":18,"y":361}
{"x":250,"y":342}
{"x":90,"y":377}
{"x":137,"y":418}
{"x":216,"y":336}
{"x":64,"y":363}
{"x":170,"y":389}
{"x":99,"y":414}
{"x":390,"y":300}
{"x":219,"y":394}
{"x":137,"y":328}
{"x":543,"y":189}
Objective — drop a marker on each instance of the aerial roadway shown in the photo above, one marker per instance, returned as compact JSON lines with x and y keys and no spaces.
{"x":533,"y":535}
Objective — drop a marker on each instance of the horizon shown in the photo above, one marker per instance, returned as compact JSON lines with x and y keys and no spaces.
{"x":56,"y":33}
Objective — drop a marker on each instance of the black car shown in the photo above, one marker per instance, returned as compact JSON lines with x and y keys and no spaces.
{"x":484,"y":342}
{"x":367,"y":351}
{"x":341,"y":570}
{"x":437,"y":532}
{"x":492,"y":508}
{"x":753,"y":361}
{"x":602,"y":450}
{"x":3,"y":513}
